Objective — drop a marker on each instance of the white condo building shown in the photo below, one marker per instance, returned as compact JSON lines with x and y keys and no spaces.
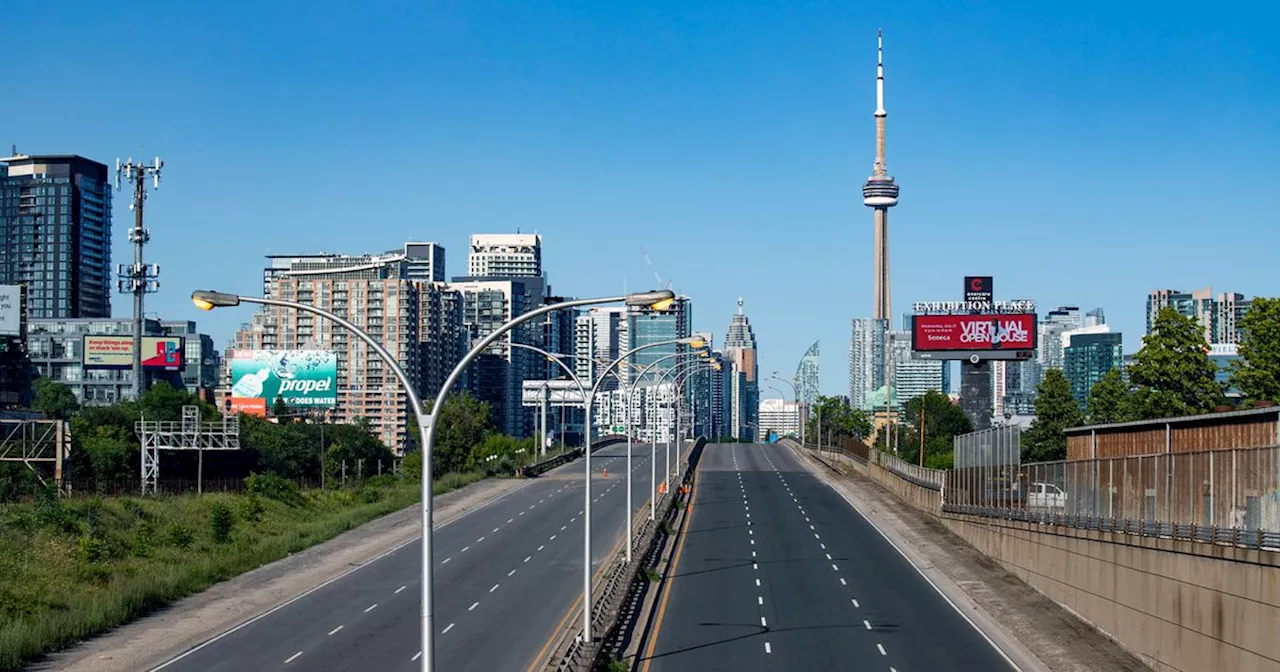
{"x":505,"y":255}
{"x":779,"y":416}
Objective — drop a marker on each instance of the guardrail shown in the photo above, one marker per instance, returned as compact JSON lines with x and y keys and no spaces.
{"x":1232,"y":536}
{"x":544,"y":466}
{"x":921,"y":476}
{"x":613,"y":592}
{"x":837,"y":450}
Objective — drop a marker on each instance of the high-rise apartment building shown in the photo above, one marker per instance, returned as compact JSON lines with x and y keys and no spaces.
{"x":806,"y":379}
{"x":646,"y":327}
{"x":1221,"y":316}
{"x":418,"y":321}
{"x":497,"y":376}
{"x":56,"y":350}
{"x":600,"y":337}
{"x":55,"y":234}
{"x":740,"y":348}
{"x":914,"y":377}
{"x":505,"y":255}
{"x":1089,"y":356}
{"x":866,"y":360}
{"x":699,"y":393}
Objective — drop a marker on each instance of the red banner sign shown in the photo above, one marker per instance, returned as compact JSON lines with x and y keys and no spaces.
{"x":973,"y":332}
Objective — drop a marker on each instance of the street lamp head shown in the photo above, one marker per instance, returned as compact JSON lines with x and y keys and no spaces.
{"x":693,"y":341}
{"x":656,"y":300}
{"x":208,"y":300}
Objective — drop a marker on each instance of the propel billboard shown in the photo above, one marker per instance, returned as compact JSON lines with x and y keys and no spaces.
{"x":973,"y":333}
{"x":307,"y":378}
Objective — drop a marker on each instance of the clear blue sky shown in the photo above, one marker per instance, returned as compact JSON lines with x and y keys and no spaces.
{"x":1086,"y":156}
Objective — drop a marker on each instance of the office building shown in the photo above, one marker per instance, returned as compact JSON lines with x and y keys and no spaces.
{"x":200,"y":361}
{"x":505,"y":255}
{"x":701,"y":396}
{"x":1220,"y":316}
{"x":1089,"y":356}
{"x":779,"y":418}
{"x":55,"y":234}
{"x":600,"y":337}
{"x":646,"y":327}
{"x":914,"y":377}
{"x":55,"y":347}
{"x":866,"y":360}
{"x":806,"y":379}
{"x":740,"y":349}
{"x":442,"y":335}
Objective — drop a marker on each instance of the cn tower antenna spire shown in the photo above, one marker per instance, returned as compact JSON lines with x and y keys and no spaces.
{"x":880,"y":74}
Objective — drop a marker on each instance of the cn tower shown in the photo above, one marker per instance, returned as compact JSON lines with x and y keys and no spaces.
{"x":881,"y":193}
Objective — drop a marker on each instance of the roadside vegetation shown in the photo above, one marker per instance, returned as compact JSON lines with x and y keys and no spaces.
{"x":73,"y":567}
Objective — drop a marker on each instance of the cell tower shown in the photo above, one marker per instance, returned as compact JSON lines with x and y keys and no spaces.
{"x":138,"y":279}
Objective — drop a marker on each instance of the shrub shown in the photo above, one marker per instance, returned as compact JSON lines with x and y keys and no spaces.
{"x":251,"y":508}
{"x":272,"y":486}
{"x":143,"y":539}
{"x":92,"y":548}
{"x":220,"y":522}
{"x":179,"y":536}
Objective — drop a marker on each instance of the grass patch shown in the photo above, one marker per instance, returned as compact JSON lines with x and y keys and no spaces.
{"x":71,"y":569}
{"x":453,"y":481}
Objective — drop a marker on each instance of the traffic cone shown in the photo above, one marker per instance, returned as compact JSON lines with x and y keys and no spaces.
{"x":662,"y":487}
{"x":605,"y":472}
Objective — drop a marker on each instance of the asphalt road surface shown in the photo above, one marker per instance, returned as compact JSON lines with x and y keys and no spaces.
{"x":777,"y":572}
{"x":506,"y":574}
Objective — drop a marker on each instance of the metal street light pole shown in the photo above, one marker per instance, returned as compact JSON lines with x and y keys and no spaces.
{"x":667,"y":473}
{"x":653,"y":447}
{"x":679,"y":382}
{"x":795,"y":395}
{"x":659,"y":300}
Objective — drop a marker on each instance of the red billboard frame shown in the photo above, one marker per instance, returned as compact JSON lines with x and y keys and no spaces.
{"x":972,"y":333}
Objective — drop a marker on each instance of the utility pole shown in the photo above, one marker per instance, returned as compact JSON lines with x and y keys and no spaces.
{"x":922,"y":431}
{"x":138,"y":279}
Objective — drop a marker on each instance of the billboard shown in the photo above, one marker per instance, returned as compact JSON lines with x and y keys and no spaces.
{"x":11,"y":310}
{"x":978,"y":288}
{"x":306,"y":378}
{"x":116,"y":352}
{"x":973,"y":333}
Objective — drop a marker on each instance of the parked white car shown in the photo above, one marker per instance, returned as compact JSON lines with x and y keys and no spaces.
{"x":1046,"y":496}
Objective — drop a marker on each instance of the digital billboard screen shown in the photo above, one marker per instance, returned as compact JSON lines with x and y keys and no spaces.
{"x":973,"y":333}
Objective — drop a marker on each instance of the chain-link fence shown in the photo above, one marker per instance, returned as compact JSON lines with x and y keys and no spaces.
{"x":986,"y":469}
{"x":1221,"y":496}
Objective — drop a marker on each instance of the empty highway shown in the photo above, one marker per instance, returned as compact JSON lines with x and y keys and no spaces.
{"x":506,"y":575}
{"x":777,"y":572}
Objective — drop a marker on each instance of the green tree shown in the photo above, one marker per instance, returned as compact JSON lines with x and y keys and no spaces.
{"x":1109,"y":400}
{"x":1257,"y":372}
{"x":1172,"y":373}
{"x":164,"y":402}
{"x":53,"y":399}
{"x":1056,"y":410}
{"x":279,"y":409}
{"x":463,"y":424}
{"x":942,"y":422}
{"x":834,"y":417}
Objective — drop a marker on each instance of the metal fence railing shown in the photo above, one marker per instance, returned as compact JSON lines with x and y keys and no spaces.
{"x":1220,"y":496}
{"x":933,"y":479}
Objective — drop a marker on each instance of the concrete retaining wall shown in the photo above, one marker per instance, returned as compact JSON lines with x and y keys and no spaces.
{"x":1179,"y":605}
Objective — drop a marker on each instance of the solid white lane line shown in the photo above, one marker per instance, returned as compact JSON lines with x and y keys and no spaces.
{"x":293,"y":658}
{"x":400,"y":589}
{"x":511,"y":572}
{"x":495,"y":587}
{"x":766,"y":648}
{"x":473,"y":607}
{"x":447,"y":629}
{"x":881,"y":647}
{"x":335,"y":630}
{"x":371,"y":607}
